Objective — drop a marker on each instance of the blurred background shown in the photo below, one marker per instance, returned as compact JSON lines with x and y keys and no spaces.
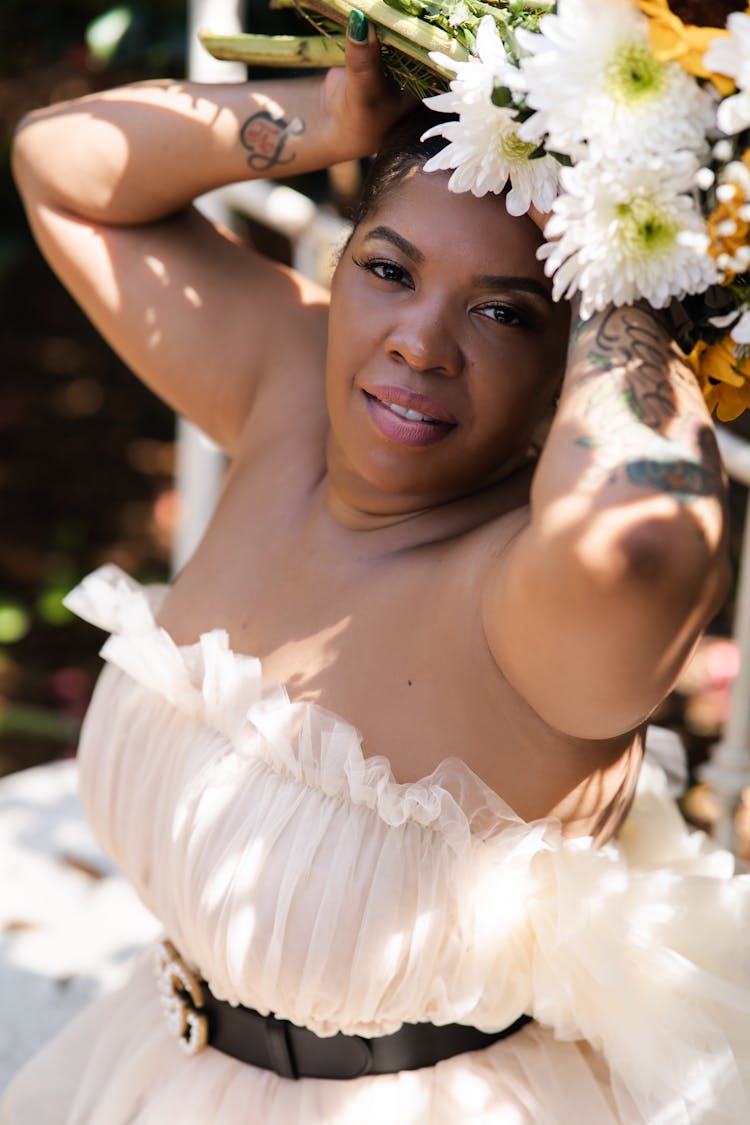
{"x":87,"y":455}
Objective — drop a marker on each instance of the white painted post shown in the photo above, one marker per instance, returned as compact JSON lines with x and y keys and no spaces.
{"x":200,"y":463}
{"x":728,"y":770}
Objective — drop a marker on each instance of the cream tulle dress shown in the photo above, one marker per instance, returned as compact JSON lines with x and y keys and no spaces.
{"x":299,"y":878}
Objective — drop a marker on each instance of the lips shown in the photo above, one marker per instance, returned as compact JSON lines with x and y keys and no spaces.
{"x":406,"y":417}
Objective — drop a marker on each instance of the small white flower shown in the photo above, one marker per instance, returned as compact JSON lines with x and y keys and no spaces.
{"x":485,"y":149}
{"x":730,"y":55}
{"x":628,"y":233}
{"x":592,"y":77}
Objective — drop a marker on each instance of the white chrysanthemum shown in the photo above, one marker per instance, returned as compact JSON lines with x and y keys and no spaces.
{"x":730,"y":55}
{"x":485,"y":149}
{"x":627,"y":233}
{"x":591,"y":76}
{"x":476,"y":79}
{"x":486,"y":152}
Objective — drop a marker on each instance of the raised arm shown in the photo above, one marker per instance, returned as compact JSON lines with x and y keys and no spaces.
{"x":593,"y":609}
{"x":107,"y":181}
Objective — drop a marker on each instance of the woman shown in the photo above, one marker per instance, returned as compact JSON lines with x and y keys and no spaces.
{"x":388,"y":551}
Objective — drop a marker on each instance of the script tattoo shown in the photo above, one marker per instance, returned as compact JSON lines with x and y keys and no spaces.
{"x":265,"y":136}
{"x":631,"y":412}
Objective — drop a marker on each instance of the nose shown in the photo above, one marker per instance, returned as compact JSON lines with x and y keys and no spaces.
{"x":424,"y":337}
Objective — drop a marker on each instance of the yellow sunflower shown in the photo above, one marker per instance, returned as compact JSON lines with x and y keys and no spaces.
{"x":724,"y":380}
{"x":683,"y":43}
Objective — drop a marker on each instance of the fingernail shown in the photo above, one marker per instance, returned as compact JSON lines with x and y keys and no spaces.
{"x":357,"y":26}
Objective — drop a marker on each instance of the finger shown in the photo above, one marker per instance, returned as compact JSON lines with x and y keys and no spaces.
{"x":539,"y":217}
{"x":363,"y":62}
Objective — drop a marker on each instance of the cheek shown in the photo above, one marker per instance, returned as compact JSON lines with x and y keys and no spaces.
{"x":515,"y":388}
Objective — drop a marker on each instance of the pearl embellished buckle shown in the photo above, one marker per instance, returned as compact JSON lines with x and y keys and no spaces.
{"x":181,"y":998}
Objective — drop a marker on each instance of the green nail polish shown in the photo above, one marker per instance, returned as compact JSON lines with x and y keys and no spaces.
{"x":357,"y":26}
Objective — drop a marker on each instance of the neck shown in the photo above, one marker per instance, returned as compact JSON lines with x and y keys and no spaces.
{"x":356,"y":505}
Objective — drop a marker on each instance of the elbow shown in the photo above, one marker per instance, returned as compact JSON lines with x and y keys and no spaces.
{"x":21,"y":161}
{"x":683,"y":552}
{"x":646,"y":550}
{"x":679,"y":557}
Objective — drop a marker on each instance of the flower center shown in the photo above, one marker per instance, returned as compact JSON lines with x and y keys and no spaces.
{"x":643,"y":228}
{"x":513,"y":148}
{"x":633,"y":74}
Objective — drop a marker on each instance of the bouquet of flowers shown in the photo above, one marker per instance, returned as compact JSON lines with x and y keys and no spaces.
{"x":627,"y":120}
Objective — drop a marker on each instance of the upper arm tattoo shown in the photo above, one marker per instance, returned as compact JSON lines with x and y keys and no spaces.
{"x":265,"y":137}
{"x":639,"y":423}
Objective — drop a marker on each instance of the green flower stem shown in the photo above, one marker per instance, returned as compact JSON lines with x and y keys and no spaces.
{"x":410,"y":31}
{"x":282,"y":50}
{"x":276,"y":50}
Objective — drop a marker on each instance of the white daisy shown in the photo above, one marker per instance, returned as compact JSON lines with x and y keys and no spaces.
{"x":730,"y":55}
{"x":627,"y":233}
{"x":591,"y":76}
{"x":485,"y":149}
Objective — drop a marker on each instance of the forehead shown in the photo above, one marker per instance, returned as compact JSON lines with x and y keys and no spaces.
{"x":457,"y":227}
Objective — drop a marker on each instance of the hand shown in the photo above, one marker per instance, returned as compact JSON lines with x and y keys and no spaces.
{"x":359,"y":100}
{"x":539,"y":218}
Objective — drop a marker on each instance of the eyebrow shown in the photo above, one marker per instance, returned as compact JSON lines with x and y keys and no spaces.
{"x":509,"y":281}
{"x":484,"y":281}
{"x":390,"y":235}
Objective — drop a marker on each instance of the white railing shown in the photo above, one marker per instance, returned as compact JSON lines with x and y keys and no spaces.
{"x":315,"y":235}
{"x":727,"y":773}
{"x":200,"y":463}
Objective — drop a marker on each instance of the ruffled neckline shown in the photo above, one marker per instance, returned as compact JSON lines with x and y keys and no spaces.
{"x":228,"y":691}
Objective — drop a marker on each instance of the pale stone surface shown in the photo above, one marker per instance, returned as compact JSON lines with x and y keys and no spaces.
{"x":70,"y":925}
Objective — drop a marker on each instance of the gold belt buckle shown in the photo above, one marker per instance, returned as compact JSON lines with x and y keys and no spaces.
{"x":180,"y":997}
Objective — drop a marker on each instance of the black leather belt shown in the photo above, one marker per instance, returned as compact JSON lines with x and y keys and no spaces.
{"x":198,"y":1019}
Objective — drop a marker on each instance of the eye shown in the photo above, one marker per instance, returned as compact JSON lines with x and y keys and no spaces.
{"x":385,"y":270}
{"x":504,"y":314}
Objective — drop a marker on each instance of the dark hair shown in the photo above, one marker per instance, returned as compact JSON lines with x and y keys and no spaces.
{"x":401,"y":151}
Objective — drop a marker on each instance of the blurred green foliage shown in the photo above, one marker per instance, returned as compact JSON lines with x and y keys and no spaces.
{"x":70,"y":412}
{"x":37,"y":34}
{"x":45,"y":56}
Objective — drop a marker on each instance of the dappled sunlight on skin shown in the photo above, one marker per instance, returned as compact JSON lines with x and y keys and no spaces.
{"x":157,"y":268}
{"x":154,"y":337}
{"x":310,"y":656}
{"x":595,"y":806}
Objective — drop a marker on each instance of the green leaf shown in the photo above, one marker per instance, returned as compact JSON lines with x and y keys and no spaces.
{"x":502,"y":97}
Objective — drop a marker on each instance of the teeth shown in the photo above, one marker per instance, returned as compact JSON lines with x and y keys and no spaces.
{"x":411,"y":415}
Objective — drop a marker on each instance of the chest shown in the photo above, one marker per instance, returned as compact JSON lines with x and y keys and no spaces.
{"x":367,"y":637}
{"x":392,"y":640}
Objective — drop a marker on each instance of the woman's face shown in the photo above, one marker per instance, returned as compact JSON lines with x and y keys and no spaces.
{"x":445,"y":348}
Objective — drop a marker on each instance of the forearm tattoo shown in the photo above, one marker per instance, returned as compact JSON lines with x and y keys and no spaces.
{"x":639,"y":422}
{"x":265,"y":138}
